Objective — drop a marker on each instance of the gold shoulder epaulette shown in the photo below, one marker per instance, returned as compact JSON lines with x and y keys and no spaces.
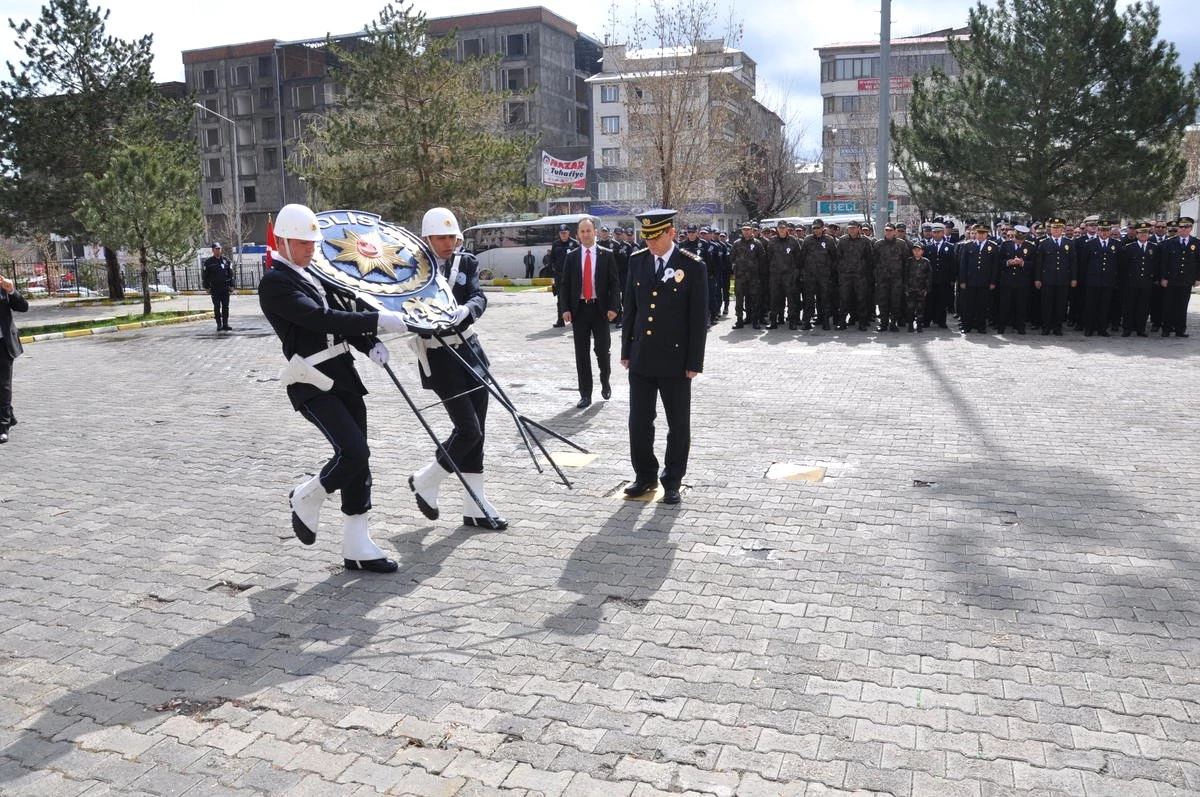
{"x":691,"y":254}
{"x":639,"y":251}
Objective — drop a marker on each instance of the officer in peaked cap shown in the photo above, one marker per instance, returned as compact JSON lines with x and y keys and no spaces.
{"x":1054,"y":274}
{"x":662,"y":346}
{"x":558,"y":256}
{"x":1180,"y":273}
{"x":217,"y":278}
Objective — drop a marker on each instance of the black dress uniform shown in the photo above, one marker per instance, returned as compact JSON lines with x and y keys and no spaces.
{"x":1098,"y":261}
{"x":944,"y":264}
{"x":663,"y":339}
{"x":299,"y":312}
{"x":10,"y":350}
{"x":1054,"y":273}
{"x":978,"y":270}
{"x":217,"y":279}
{"x":589,"y":314}
{"x":1140,"y":269}
{"x":1180,"y":272}
{"x":1012,"y":284}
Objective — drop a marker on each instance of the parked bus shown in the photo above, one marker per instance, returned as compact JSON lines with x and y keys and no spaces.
{"x":501,"y":246}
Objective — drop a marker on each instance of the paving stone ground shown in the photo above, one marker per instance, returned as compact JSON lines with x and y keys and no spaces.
{"x":992,"y":591}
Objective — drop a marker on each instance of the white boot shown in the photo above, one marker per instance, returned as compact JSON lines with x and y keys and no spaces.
{"x":424,"y":484}
{"x":358,"y":549}
{"x":306,"y":503}
{"x":477,"y":514}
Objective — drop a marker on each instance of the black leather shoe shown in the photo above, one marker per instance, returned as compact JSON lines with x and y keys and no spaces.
{"x":558,"y":324}
{"x":372,"y":565}
{"x":1181,"y":334}
{"x":227,"y":328}
{"x":1127,"y":333}
{"x":1141,"y":334}
{"x":641,"y":488}
{"x":737,"y":324}
{"x":428,"y":511}
{"x":756,"y":325}
{"x":3,"y":437}
{"x":1058,"y":332}
{"x":605,"y":392}
{"x":825,"y":325}
{"x":1104,"y":333}
{"x":1166,"y":333}
{"x":499,"y":524}
{"x":671,"y":495}
{"x":584,"y":402}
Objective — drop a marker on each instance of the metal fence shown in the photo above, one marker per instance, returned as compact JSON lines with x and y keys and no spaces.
{"x":83,"y":278}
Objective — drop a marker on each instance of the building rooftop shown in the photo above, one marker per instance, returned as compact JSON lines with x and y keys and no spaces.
{"x":933,"y":37}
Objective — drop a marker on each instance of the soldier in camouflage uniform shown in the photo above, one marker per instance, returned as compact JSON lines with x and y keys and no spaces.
{"x":856,"y":259}
{"x":783,"y":254}
{"x":891,"y":253}
{"x":749,"y":256}
{"x":818,"y":259}
{"x":917,"y":282}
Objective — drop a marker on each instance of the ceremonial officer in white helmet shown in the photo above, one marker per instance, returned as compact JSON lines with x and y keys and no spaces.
{"x":460,"y":388}
{"x":324,"y":386}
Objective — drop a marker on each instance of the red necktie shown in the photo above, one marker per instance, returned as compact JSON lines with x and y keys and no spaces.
{"x":589,"y":292}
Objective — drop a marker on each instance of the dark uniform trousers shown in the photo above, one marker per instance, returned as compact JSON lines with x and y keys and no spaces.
{"x":676,"y":395}
{"x":589,"y":324}
{"x":341,"y":416}
{"x":465,"y":398}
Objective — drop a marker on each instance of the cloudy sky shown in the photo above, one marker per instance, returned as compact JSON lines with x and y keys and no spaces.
{"x":781,"y":36}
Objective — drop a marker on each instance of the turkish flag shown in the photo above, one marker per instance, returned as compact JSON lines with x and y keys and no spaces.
{"x":270,"y":241}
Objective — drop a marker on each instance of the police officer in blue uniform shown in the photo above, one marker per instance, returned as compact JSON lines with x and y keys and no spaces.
{"x":1054,"y":275}
{"x":1098,"y":261}
{"x":662,"y":346}
{"x":217,"y":278}
{"x":1140,"y":269}
{"x":1180,"y":273}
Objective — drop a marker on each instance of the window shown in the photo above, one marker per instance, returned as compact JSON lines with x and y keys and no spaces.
{"x":582,"y":123}
{"x":212,"y":137}
{"x":241,"y":75}
{"x":470,"y":48}
{"x":249,"y":195}
{"x":266,"y":97}
{"x":515,"y":79}
{"x":303,"y":97}
{"x":208,"y":79}
{"x":215,"y":172}
{"x":269,"y":130}
{"x":215,"y":196}
{"x":610,"y":125}
{"x":246,"y":165}
{"x":518,"y":114}
{"x":827,"y":105}
{"x":622,"y":190}
{"x":610,"y":94}
{"x":242,"y":105}
{"x":245,"y":134}
{"x":270,"y":159}
{"x":211,"y":105}
{"x":610,"y":157}
{"x":516,"y":45}
{"x":266,"y":65}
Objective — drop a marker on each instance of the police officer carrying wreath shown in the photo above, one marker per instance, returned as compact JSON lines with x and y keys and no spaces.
{"x":217,"y":279}
{"x":662,"y":346}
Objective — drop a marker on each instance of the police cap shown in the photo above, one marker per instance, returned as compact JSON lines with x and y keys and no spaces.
{"x":655,"y":222}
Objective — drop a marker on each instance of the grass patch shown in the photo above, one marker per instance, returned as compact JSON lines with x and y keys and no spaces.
{"x":67,"y":326}
{"x":523,"y":288}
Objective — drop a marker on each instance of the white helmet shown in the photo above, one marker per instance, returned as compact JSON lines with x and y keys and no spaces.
{"x":297,"y":223}
{"x":439,"y":221}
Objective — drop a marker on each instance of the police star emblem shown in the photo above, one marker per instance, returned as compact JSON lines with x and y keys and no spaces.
{"x":369,"y":253}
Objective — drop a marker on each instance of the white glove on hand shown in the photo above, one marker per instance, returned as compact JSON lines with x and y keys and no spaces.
{"x":460,"y":315}
{"x":391,"y":321}
{"x":379,"y":354}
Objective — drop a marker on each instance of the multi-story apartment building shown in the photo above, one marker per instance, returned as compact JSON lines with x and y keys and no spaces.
{"x":722,"y":116}
{"x":850,"y":75}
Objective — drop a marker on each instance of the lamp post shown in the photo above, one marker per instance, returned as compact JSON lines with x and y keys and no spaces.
{"x":237,"y":192}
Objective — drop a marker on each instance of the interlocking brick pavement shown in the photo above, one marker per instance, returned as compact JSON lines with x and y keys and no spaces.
{"x":993,"y":590}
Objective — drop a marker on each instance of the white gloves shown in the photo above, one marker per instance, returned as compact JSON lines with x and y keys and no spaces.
{"x":391,"y":321}
{"x":379,"y":354}
{"x":460,"y":315}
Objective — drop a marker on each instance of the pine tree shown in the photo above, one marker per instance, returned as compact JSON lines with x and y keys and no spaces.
{"x":415,"y":129}
{"x":1063,"y":107}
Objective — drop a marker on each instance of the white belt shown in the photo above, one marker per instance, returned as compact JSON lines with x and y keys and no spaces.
{"x":328,"y":354}
{"x":421,"y":345}
{"x":304,"y":369}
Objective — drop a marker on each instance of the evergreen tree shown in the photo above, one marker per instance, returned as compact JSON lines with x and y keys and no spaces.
{"x":59,"y":109}
{"x":145,"y":199}
{"x":1063,"y":107}
{"x":415,"y":129}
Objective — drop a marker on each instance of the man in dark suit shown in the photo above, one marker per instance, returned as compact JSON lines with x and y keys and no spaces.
{"x":1180,"y":272}
{"x":1140,"y":268}
{"x":323,"y":385}
{"x":1012,"y":284}
{"x":978,"y":268}
{"x":588,"y":299}
{"x":662,"y":346}
{"x":10,"y":350}
{"x":1054,"y":274}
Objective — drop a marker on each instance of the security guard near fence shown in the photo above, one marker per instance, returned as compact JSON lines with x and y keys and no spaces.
{"x":217,"y":278}
{"x":662,"y":346}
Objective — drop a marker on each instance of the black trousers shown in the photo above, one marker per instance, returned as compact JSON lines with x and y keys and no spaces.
{"x":221,"y":308}
{"x":1011,"y":301}
{"x":1054,"y":306}
{"x":589,"y":328}
{"x":1174,"y":307}
{"x":974,"y":308}
{"x":939,"y":299}
{"x":1097,"y":305}
{"x":676,"y":395}
{"x":468,"y":413}
{"x":1136,"y":308}
{"x":342,"y":418}
{"x":6,"y":371}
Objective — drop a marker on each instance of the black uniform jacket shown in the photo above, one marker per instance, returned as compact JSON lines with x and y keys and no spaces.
{"x":8,"y":303}
{"x":1179,"y":263}
{"x":666,"y":321}
{"x":448,"y":375}
{"x":1141,"y":267}
{"x":303,"y":323}
{"x":1016,"y":276}
{"x":607,"y":286}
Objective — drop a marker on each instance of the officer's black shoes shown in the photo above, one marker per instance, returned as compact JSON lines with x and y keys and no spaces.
{"x":1020,"y":330}
{"x":773,"y":325}
{"x":372,"y":565}
{"x":893,"y":328}
{"x":3,"y":437}
{"x":1181,"y":334}
{"x":862,"y":327}
{"x":1046,"y":331}
{"x":671,"y":495}
{"x":793,"y":326}
{"x":1103,"y":333}
{"x":881,"y":328}
{"x":1058,"y":331}
{"x":605,"y":392}
{"x":586,"y":401}
{"x":560,"y":323}
{"x":825,"y":324}
{"x":839,"y":326}
{"x":426,"y":508}
{"x":1166,"y":333}
{"x":1088,"y":334}
{"x":806,"y":326}
{"x":227,"y":328}
{"x":496,"y":524}
{"x":1127,"y":333}
{"x":1142,"y":334}
{"x":1154,"y":327}
{"x":641,"y":488}
{"x":755,"y":325}
{"x":738,"y":324}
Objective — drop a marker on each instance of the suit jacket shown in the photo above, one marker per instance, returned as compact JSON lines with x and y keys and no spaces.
{"x":943,"y":261}
{"x":1141,"y":269}
{"x":12,"y":339}
{"x":1180,"y":263}
{"x":666,"y":321}
{"x":305,"y":324}
{"x":604,"y":280}
{"x":1098,"y":262}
